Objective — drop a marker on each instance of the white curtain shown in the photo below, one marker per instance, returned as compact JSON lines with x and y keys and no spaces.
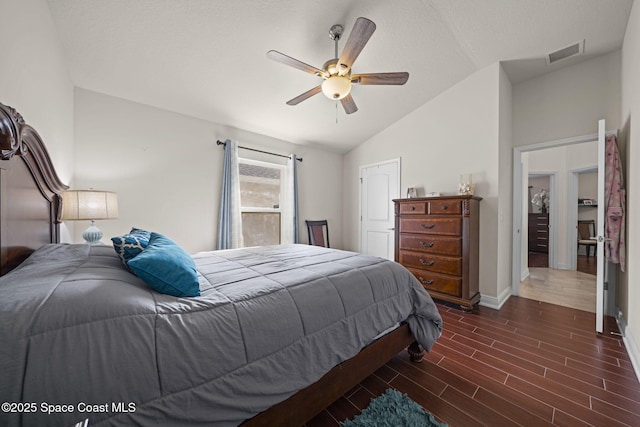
{"x":230,"y":218}
{"x":289,"y":231}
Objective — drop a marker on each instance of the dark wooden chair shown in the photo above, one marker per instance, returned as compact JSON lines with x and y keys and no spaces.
{"x":586,"y":230}
{"x":318,"y":233}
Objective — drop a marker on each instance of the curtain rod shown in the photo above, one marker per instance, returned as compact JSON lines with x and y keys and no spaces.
{"x":218,"y":142}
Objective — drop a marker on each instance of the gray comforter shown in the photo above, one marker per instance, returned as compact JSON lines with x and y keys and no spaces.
{"x":82,"y":337}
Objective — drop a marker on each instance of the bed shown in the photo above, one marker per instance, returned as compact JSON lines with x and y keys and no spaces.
{"x":275,"y":336}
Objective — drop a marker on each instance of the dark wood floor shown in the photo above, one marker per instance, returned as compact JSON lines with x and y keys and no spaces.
{"x":529,"y":364}
{"x":538,"y":259}
{"x":587,"y":264}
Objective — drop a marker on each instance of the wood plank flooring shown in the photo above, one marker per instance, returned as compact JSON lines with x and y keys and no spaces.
{"x":530,"y":364}
{"x":569,"y":288}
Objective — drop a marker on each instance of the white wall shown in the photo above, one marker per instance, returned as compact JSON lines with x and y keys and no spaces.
{"x":455,"y":133}
{"x":505,"y":192}
{"x":568,"y":102}
{"x":166,"y":169}
{"x":34,"y":78}
{"x":629,"y":292}
{"x":588,"y":189}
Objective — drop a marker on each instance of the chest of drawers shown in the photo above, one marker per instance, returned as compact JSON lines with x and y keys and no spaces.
{"x":437,"y":239}
{"x":539,"y":232}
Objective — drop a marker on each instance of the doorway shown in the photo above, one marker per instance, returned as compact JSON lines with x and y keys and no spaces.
{"x":583,"y":185}
{"x":548,"y":171}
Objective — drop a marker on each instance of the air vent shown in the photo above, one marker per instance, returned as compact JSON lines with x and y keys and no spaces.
{"x":565,"y":53}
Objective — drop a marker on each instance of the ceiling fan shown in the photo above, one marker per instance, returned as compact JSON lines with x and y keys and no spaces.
{"x":336,"y":72}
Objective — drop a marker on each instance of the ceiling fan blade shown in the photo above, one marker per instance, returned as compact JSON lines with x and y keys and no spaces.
{"x":349,"y":104}
{"x":380,"y":78}
{"x":292,"y":62}
{"x":308,"y":94}
{"x":362,"y":31}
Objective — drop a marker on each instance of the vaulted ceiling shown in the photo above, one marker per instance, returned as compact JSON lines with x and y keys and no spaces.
{"x":207,"y":58}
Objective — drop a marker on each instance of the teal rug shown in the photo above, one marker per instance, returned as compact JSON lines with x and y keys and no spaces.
{"x":393,"y":409}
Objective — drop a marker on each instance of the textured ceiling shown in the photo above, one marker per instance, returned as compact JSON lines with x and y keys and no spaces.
{"x":207,"y":58}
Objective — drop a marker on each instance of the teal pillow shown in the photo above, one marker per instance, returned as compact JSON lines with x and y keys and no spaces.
{"x":166,"y":267}
{"x":128,"y":246}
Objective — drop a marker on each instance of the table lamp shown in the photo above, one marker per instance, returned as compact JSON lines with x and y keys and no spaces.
{"x":89,"y":205}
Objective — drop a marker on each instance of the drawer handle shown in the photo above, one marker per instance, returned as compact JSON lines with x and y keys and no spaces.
{"x":426,"y":282}
{"x":413,"y":208}
{"x":427,"y":263}
{"x":444,"y":207}
{"x":427,"y":244}
{"x":427,"y":227}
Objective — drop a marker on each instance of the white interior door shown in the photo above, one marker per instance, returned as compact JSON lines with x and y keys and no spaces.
{"x":600,"y":237}
{"x":379,"y":185}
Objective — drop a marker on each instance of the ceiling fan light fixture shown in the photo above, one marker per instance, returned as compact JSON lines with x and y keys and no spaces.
{"x":336,"y":72}
{"x":336,"y":87}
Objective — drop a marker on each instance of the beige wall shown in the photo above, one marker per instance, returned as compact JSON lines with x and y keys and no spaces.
{"x":456,"y":133}
{"x":166,"y":169}
{"x":629,"y":295}
{"x":34,"y":78}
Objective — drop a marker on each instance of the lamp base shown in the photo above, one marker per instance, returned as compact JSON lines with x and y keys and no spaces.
{"x":92,"y":235}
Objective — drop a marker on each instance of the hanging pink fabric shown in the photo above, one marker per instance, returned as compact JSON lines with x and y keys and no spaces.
{"x":614,"y":204}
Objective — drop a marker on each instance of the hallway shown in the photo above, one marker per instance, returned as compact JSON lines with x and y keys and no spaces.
{"x":568,"y":288}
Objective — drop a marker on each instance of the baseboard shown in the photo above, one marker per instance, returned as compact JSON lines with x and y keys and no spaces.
{"x":524,"y":273}
{"x":493,"y":302}
{"x":629,"y":342}
{"x":564,"y":267}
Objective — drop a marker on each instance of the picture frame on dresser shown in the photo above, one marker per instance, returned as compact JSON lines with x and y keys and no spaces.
{"x":437,"y":239}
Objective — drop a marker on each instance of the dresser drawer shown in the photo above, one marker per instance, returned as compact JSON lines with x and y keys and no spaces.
{"x":438,"y":283}
{"x":417,"y":208}
{"x":426,"y":225}
{"x":431,"y":244}
{"x":539,"y":247}
{"x":438,"y":264}
{"x":539,"y":219}
{"x":445,"y":207}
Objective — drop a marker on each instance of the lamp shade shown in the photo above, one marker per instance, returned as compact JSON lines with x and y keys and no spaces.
{"x":336,"y":87}
{"x":89,"y":204}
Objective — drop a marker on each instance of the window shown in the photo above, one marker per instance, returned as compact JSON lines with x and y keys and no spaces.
{"x":261,"y":189}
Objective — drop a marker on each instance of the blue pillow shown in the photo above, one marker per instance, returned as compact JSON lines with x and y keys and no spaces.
{"x":130,"y":245}
{"x":166,"y":267}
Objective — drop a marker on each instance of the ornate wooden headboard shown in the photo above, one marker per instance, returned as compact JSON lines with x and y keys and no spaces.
{"x":30,"y":201}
